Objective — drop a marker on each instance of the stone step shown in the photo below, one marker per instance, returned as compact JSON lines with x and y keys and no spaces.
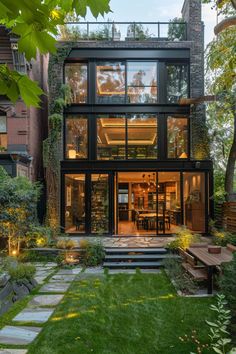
{"x":129,"y":265}
{"x":125,"y":250}
{"x":136,"y":256}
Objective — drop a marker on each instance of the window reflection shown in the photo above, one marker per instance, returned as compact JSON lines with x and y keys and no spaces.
{"x":142,"y":137}
{"x":76,"y":78}
{"x":177,"y":82}
{"x":177,"y":137}
{"x":99,"y":203}
{"x":76,"y":137}
{"x":111,"y":83}
{"x":142,"y":82}
{"x":75,"y":203}
{"x":111,"y":138}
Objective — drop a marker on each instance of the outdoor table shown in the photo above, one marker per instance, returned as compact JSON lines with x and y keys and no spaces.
{"x":210,"y":260}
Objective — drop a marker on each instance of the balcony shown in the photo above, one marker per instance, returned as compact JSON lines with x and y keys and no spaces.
{"x":123,"y":31}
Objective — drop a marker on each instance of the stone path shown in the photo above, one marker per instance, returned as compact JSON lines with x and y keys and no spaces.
{"x":39,"y":309}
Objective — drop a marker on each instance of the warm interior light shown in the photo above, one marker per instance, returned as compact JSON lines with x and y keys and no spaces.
{"x":14,"y":252}
{"x":72,"y":154}
{"x":183,"y":155}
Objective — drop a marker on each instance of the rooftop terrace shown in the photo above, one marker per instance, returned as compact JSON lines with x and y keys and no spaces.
{"x":123,"y":31}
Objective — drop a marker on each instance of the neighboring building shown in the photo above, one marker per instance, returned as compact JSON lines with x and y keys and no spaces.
{"x":22,"y":129}
{"x":135,"y":160}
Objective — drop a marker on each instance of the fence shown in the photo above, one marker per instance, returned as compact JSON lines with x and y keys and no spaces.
{"x":225,"y":216}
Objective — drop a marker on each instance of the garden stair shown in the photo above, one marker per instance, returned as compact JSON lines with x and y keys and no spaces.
{"x":132,"y":258}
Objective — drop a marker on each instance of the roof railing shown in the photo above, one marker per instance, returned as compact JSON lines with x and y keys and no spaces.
{"x":123,"y":31}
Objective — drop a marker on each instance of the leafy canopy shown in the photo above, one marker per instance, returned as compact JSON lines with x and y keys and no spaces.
{"x":36,"y":22}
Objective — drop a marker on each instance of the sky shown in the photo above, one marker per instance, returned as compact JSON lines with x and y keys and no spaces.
{"x":155,"y":11}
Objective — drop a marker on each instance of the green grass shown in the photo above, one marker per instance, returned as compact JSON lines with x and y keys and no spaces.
{"x":123,"y":314}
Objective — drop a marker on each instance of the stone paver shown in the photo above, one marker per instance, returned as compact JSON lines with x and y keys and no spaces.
{"x":54,"y":287}
{"x":45,"y":300}
{"x":39,"y":280}
{"x":13,"y":351}
{"x":39,"y":315}
{"x":18,"y":335}
{"x":63,"y":277}
{"x":76,"y":270}
{"x":94,"y":270}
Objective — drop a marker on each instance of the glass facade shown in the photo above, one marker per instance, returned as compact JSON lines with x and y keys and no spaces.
{"x":142,"y":136}
{"x":110,"y":82}
{"x":75,"y":203}
{"x":142,"y":82}
{"x":76,"y":76}
{"x":177,"y":138}
{"x":99,"y":204}
{"x":76,"y":137}
{"x":177,"y":82}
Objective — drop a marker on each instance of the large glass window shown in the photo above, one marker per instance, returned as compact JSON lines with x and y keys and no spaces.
{"x":3,"y":133}
{"x":75,"y":203}
{"x":76,"y":137}
{"x":111,"y":138}
{"x":142,"y":136}
{"x":99,"y":203}
{"x":177,"y":82}
{"x":177,"y":138}
{"x":142,"y":82}
{"x":111,"y":82}
{"x":76,"y":78}
{"x":194,"y":201}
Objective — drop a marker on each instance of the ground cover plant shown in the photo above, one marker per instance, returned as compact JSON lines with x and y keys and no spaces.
{"x":123,"y":314}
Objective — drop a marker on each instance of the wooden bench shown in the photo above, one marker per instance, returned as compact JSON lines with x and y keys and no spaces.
{"x":230,"y":247}
{"x":198,"y":272}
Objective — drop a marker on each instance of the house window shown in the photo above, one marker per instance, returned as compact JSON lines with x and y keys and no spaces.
{"x":99,"y":203}
{"x":142,"y":82}
{"x":3,"y":133}
{"x":75,"y":203}
{"x":177,"y":82}
{"x":76,"y":77}
{"x":142,"y":136}
{"x":111,"y":82}
{"x":111,"y":133}
{"x":76,"y":137}
{"x":177,"y":138}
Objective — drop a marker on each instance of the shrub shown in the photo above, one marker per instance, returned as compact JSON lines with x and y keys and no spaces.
{"x":94,"y":254}
{"x":21,"y":271}
{"x":184,"y":239}
{"x":34,"y":256}
{"x":38,"y":236}
{"x":227,"y":284}
{"x":221,"y":238}
{"x":83,"y":243}
{"x":66,"y":244}
{"x":182,"y":280}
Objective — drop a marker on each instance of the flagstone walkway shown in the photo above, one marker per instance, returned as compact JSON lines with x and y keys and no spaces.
{"x":39,"y":309}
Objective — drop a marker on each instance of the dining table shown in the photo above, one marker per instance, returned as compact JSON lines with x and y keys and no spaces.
{"x":211,"y":261}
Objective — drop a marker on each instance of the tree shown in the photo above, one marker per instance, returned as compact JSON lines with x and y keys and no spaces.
{"x":36,"y":23}
{"x":221,"y":64}
{"x":18,"y":208}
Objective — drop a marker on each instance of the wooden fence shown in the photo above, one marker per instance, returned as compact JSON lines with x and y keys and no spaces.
{"x":225,"y":216}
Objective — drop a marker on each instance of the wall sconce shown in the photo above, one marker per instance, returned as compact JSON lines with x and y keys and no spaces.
{"x":72,"y":154}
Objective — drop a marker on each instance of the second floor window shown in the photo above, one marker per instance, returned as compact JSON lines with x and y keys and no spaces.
{"x":76,"y":137}
{"x":177,"y":138}
{"x":76,"y":77}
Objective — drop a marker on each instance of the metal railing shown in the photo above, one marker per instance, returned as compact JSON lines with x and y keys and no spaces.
{"x":123,"y":31}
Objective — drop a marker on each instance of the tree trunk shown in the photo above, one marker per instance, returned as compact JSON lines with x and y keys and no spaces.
{"x":230,"y":168}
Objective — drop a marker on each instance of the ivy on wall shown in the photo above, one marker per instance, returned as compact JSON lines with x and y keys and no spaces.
{"x":59,"y":97}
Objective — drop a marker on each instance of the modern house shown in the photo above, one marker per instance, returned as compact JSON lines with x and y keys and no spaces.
{"x":135,"y":155}
{"x":22,"y":129}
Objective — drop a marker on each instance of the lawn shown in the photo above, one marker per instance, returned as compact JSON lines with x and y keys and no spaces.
{"x":123,"y":314}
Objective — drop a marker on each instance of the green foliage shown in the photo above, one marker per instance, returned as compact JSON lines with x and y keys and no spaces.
{"x":38,"y":236}
{"x":228,"y":287}
{"x":34,"y":256}
{"x":176,"y":31}
{"x":36,"y":25}
{"x":18,"y":207}
{"x":181,"y":279}
{"x":184,"y":238}
{"x":93,"y":255}
{"x":66,"y":244}
{"x":222,"y":238}
{"x":21,"y":271}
